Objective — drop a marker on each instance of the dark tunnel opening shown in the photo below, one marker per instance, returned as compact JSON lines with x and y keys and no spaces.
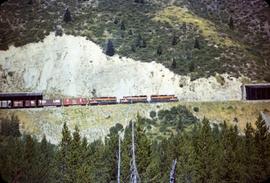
{"x":257,"y":92}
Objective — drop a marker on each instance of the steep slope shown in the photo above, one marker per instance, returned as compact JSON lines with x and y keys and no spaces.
{"x":95,"y":121}
{"x":74,"y":66}
{"x":164,"y":31}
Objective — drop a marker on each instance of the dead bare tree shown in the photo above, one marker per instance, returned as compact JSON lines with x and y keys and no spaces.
{"x":172,"y":172}
{"x":119,"y":160}
{"x":134,"y":177}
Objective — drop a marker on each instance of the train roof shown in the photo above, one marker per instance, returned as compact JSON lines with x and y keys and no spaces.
{"x":22,"y":94}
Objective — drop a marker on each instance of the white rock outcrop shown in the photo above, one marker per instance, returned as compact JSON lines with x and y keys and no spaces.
{"x":73,"y":66}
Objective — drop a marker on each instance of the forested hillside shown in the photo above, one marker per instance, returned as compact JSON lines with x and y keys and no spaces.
{"x":191,"y":37}
{"x":203,"y":152}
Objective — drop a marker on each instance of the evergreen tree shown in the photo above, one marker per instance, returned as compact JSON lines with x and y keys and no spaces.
{"x":230,"y":164}
{"x":204,"y":150}
{"x":174,"y":40}
{"x":191,"y":67}
{"x":67,"y":16}
{"x":110,"y":48}
{"x":262,"y":147}
{"x":10,"y":127}
{"x":154,"y":169}
{"x":159,"y":50}
{"x":186,"y":169}
{"x":197,"y":44}
{"x":126,"y":156}
{"x":139,"y":1}
{"x":140,"y":42}
{"x":231,"y":23}
{"x":173,"y":63}
{"x":29,"y":173}
{"x":44,"y":161}
{"x":62,"y":157}
{"x":122,"y":25}
{"x":143,"y":148}
{"x":248,"y":156}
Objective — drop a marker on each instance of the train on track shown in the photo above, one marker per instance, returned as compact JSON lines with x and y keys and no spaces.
{"x":34,"y":100}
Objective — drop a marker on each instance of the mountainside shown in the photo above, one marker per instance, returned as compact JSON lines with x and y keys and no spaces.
{"x":194,"y":38}
{"x":74,"y":66}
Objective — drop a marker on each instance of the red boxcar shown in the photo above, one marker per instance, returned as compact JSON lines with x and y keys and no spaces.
{"x":75,"y":101}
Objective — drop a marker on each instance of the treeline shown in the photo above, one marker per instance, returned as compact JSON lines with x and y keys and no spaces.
{"x":204,"y":153}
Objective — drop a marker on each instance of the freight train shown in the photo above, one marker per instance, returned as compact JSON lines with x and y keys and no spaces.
{"x":34,"y":100}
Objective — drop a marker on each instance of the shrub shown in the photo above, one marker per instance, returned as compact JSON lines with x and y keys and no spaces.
{"x":153,"y":114}
{"x":196,"y":109}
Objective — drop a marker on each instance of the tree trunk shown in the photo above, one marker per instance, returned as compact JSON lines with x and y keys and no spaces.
{"x":134,"y":172}
{"x":172,"y":173}
{"x":119,"y":160}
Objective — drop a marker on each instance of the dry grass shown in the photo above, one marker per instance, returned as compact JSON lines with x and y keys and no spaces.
{"x":95,"y":121}
{"x":174,"y":15}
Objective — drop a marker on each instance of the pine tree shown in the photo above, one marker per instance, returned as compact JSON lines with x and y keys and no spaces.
{"x":44,"y":161}
{"x":173,"y":63}
{"x":62,"y":157}
{"x":143,"y":148}
{"x":197,"y":44}
{"x":248,"y":156}
{"x":204,"y":153}
{"x":174,"y":40}
{"x":159,"y":50}
{"x":230,"y":163}
{"x":29,"y":155}
{"x":231,"y":23}
{"x":126,"y":155}
{"x":186,"y":169}
{"x":110,"y":48}
{"x":67,"y":16}
{"x":140,"y":42}
{"x":139,"y":1}
{"x":191,"y":67}
{"x":154,"y":169}
{"x":262,"y":147}
{"x":75,"y":159}
{"x":122,"y":25}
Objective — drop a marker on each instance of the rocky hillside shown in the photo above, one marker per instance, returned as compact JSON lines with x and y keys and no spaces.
{"x":74,"y":66}
{"x":190,"y":37}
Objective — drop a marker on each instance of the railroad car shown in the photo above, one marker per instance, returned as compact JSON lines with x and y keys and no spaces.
{"x":134,"y":99}
{"x":103,"y":100}
{"x":18,"y":104}
{"x":75,"y":101}
{"x":163,"y":98}
{"x":50,"y":102}
{"x":30,"y":103}
{"x":5,"y":104}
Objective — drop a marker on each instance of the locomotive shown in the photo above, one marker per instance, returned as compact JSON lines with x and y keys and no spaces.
{"x":33,"y":100}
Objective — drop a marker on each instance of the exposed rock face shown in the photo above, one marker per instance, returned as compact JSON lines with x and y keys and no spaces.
{"x":74,"y":66}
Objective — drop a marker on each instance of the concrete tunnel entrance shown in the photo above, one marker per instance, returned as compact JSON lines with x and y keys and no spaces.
{"x":256,"y":91}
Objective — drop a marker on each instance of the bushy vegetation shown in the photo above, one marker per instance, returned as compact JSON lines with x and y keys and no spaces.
{"x":187,"y":41}
{"x":203,"y":154}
